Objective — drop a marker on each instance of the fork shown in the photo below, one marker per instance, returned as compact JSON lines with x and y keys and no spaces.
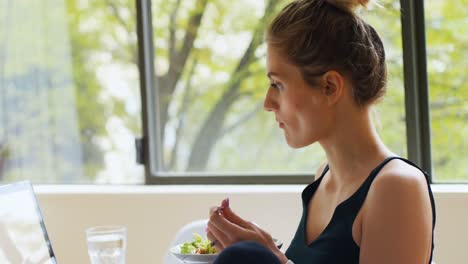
{"x":213,"y":243}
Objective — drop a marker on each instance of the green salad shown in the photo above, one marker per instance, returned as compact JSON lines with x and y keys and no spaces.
{"x":197,"y":246}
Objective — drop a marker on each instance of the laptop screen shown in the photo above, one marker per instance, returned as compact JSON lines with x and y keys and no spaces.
{"x":23,"y":237}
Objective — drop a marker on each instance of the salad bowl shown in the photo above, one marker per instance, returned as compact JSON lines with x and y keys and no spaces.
{"x":193,"y":257}
{"x":202,"y":258}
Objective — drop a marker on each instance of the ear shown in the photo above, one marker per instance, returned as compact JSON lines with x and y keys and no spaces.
{"x":333,"y":86}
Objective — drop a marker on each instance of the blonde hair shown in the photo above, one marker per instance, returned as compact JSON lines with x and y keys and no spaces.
{"x":322,"y":35}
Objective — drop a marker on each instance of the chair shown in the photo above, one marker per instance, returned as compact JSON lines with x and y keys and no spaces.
{"x":185,"y":234}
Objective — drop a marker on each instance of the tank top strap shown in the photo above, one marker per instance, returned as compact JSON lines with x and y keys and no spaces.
{"x":309,"y":191}
{"x":361,"y":193}
{"x":324,"y":171}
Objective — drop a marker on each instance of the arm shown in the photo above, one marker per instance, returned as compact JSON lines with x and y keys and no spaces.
{"x":397,"y":220}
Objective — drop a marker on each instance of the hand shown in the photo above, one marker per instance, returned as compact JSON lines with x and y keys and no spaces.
{"x":227,"y":228}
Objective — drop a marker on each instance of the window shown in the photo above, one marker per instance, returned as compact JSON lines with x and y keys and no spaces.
{"x":69,"y":96}
{"x":390,"y":113}
{"x":210,"y":71}
{"x":71,"y":100}
{"x":447,"y":50}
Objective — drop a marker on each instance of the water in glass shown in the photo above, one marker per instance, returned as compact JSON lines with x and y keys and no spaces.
{"x":106,"y":246}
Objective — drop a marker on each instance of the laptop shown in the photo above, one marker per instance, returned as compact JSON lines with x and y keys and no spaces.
{"x":23,"y":236}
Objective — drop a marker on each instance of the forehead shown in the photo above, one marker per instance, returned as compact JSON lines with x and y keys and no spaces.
{"x":274,"y":57}
{"x":279,"y":66}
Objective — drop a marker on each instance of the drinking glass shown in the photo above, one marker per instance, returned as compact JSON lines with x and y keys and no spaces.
{"x":107,"y":244}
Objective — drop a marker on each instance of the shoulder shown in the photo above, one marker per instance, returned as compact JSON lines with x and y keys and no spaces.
{"x":398,"y":208}
{"x":398,"y":199}
{"x":398,"y":185}
{"x":399,"y":177}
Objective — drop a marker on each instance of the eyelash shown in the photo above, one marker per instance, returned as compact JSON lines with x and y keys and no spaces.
{"x":276,"y":86}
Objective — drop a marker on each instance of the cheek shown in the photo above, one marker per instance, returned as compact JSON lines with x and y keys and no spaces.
{"x":307,"y":100}
{"x":293,"y":109}
{"x":312,"y":116}
{"x":297,"y":107}
{"x":299,"y":104}
{"x":303,"y":108}
{"x":306,"y":107}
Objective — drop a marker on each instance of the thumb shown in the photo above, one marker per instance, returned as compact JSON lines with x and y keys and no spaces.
{"x":234,"y":218}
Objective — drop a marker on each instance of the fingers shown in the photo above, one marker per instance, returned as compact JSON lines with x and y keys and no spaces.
{"x":227,"y":227}
{"x":215,"y":234}
{"x":210,"y":235}
{"x":234,"y":218}
{"x":225,"y":203}
{"x":230,"y":215}
{"x":223,"y":224}
{"x":215,"y":241}
{"x":212,"y":210}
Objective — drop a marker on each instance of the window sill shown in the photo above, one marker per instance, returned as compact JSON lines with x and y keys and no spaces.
{"x":201,"y":189}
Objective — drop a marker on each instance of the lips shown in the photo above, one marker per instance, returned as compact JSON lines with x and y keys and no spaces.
{"x":281,"y":124}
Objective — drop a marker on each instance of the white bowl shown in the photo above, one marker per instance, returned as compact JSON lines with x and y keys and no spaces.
{"x":204,"y":258}
{"x":193,"y":258}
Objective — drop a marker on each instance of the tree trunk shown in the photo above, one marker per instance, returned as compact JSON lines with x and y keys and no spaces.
{"x":178,"y":60}
{"x":212,"y":128}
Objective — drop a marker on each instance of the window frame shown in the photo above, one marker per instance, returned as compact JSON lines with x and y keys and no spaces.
{"x":418,"y":121}
{"x":417,"y":110}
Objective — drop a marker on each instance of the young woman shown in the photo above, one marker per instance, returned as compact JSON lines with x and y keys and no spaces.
{"x":327,"y":68}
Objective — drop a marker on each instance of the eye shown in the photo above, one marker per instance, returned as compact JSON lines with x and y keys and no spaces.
{"x":276,"y":86}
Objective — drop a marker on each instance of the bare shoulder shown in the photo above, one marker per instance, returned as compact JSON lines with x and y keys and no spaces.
{"x":397,"y":177}
{"x":397,"y":208}
{"x":399,"y":181}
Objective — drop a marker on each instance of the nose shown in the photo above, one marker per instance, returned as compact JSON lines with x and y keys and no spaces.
{"x":270,"y":103}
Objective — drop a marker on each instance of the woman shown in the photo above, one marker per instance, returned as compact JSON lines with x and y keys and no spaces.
{"x":327,"y":68}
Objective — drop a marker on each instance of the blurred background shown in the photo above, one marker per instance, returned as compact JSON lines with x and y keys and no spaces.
{"x":70,"y":100}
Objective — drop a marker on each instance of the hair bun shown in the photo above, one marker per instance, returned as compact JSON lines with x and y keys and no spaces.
{"x":348,"y":5}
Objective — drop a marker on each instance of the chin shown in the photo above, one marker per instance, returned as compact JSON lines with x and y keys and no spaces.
{"x":299,"y":144}
{"x":300,"y":140}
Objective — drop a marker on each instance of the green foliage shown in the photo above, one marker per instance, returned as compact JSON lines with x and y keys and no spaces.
{"x":38,"y":128}
{"x":447,"y":49}
{"x":54,"y":107}
{"x":106,"y":28}
{"x":249,"y":145}
{"x":211,"y":91}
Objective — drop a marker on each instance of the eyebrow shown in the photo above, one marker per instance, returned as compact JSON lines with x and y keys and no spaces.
{"x":269,"y":74}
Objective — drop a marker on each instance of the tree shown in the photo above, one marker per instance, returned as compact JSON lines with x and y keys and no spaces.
{"x":210,"y":72}
{"x":180,"y":54}
{"x":448,"y":87}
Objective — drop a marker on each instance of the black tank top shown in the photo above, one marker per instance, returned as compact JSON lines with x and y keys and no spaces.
{"x":335,"y":245}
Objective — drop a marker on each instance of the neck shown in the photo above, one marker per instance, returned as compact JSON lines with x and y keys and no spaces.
{"x":353,"y":148}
